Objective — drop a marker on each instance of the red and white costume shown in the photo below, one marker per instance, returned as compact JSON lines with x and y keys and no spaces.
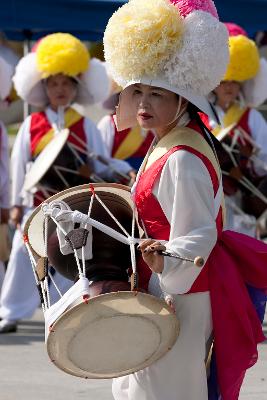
{"x":130,"y":145}
{"x":253,"y":123}
{"x":178,"y":198}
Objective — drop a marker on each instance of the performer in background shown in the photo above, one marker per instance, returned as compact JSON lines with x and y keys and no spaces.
{"x":130,"y":144}
{"x":6,"y":71}
{"x":243,"y":88}
{"x":162,"y":53}
{"x":57,"y":73}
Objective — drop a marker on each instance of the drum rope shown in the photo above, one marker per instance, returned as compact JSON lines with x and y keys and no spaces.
{"x":46,"y":254}
{"x":38,"y":283}
{"x":99,"y":158}
{"x":54,"y":283}
{"x":112,"y":216}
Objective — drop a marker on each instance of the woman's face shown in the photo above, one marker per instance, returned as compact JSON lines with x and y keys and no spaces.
{"x":227,"y":92}
{"x":155,"y":108}
{"x":61,"y":90}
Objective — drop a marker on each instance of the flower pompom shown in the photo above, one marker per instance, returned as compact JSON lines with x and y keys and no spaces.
{"x":188,"y":6}
{"x":61,"y":53}
{"x":234,"y":29}
{"x":198,"y":66}
{"x":244,"y":59}
{"x":140,"y":37}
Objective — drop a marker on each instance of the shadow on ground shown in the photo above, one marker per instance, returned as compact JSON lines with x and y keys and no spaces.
{"x":27,"y":333}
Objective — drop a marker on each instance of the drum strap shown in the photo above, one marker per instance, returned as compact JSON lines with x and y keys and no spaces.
{"x":231,"y":117}
{"x":130,"y":144}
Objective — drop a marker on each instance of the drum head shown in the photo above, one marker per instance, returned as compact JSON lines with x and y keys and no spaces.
{"x":112,"y":335}
{"x":45,"y":159}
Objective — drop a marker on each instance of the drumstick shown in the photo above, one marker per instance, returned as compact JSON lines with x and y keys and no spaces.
{"x":198,"y":261}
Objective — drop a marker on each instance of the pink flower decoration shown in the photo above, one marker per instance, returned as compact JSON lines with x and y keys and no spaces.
{"x":235,"y":30}
{"x":188,"y":6}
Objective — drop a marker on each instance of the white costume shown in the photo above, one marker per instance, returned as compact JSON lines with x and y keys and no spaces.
{"x":6,"y":72}
{"x":4,"y":181}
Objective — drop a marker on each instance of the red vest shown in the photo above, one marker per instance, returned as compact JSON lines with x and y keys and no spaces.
{"x":154,"y":219}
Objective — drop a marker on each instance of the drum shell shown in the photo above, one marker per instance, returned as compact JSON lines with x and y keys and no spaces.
{"x":111,"y":258}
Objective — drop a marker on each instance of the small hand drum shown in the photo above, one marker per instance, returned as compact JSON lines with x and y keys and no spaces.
{"x":99,"y":328}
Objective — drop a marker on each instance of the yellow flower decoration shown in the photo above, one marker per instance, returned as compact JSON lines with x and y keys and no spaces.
{"x":244,"y":59}
{"x":61,"y":53}
{"x":141,"y":36}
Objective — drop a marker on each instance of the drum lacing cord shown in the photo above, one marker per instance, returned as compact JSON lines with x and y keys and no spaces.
{"x":37,"y":282}
{"x":131,"y":238}
{"x":45,"y":251}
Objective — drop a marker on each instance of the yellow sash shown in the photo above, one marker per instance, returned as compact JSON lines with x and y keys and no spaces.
{"x":71,"y":117}
{"x":186,"y":137}
{"x":232,"y":116}
{"x":130,"y":144}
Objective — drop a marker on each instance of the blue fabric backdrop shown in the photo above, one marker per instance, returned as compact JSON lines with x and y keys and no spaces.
{"x":87,"y":18}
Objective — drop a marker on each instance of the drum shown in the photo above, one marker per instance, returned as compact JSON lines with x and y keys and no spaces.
{"x":63,"y":163}
{"x":103,"y":327}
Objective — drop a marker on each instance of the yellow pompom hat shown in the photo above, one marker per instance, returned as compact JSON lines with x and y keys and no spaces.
{"x":244,"y":59}
{"x":61,"y":53}
{"x":246,"y":66}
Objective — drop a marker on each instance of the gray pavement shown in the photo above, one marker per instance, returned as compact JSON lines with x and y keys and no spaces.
{"x":27,"y":374}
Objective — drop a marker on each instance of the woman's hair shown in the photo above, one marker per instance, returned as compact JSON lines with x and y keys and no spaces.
{"x":219,"y":151}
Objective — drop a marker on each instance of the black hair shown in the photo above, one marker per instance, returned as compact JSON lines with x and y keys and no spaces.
{"x":220,"y":153}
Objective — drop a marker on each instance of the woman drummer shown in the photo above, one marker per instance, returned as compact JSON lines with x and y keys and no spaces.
{"x":243,"y":87}
{"x":57,"y":73}
{"x":163,"y":53}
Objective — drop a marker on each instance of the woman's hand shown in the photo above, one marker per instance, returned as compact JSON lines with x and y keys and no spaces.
{"x":153,"y":259}
{"x":132,"y":175}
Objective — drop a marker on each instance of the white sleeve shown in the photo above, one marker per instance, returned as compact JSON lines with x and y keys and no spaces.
{"x":20,"y":157}
{"x":4,"y":168}
{"x":186,"y":196}
{"x":258,"y":128}
{"x":107,"y":130}
{"x":96,"y":144}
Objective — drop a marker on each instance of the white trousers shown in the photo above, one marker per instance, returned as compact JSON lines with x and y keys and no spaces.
{"x":19,"y":296}
{"x":181,"y":373}
{"x":2,"y":273}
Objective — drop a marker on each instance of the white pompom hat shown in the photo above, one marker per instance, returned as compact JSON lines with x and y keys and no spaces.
{"x":61,"y":53}
{"x":179,"y":45}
